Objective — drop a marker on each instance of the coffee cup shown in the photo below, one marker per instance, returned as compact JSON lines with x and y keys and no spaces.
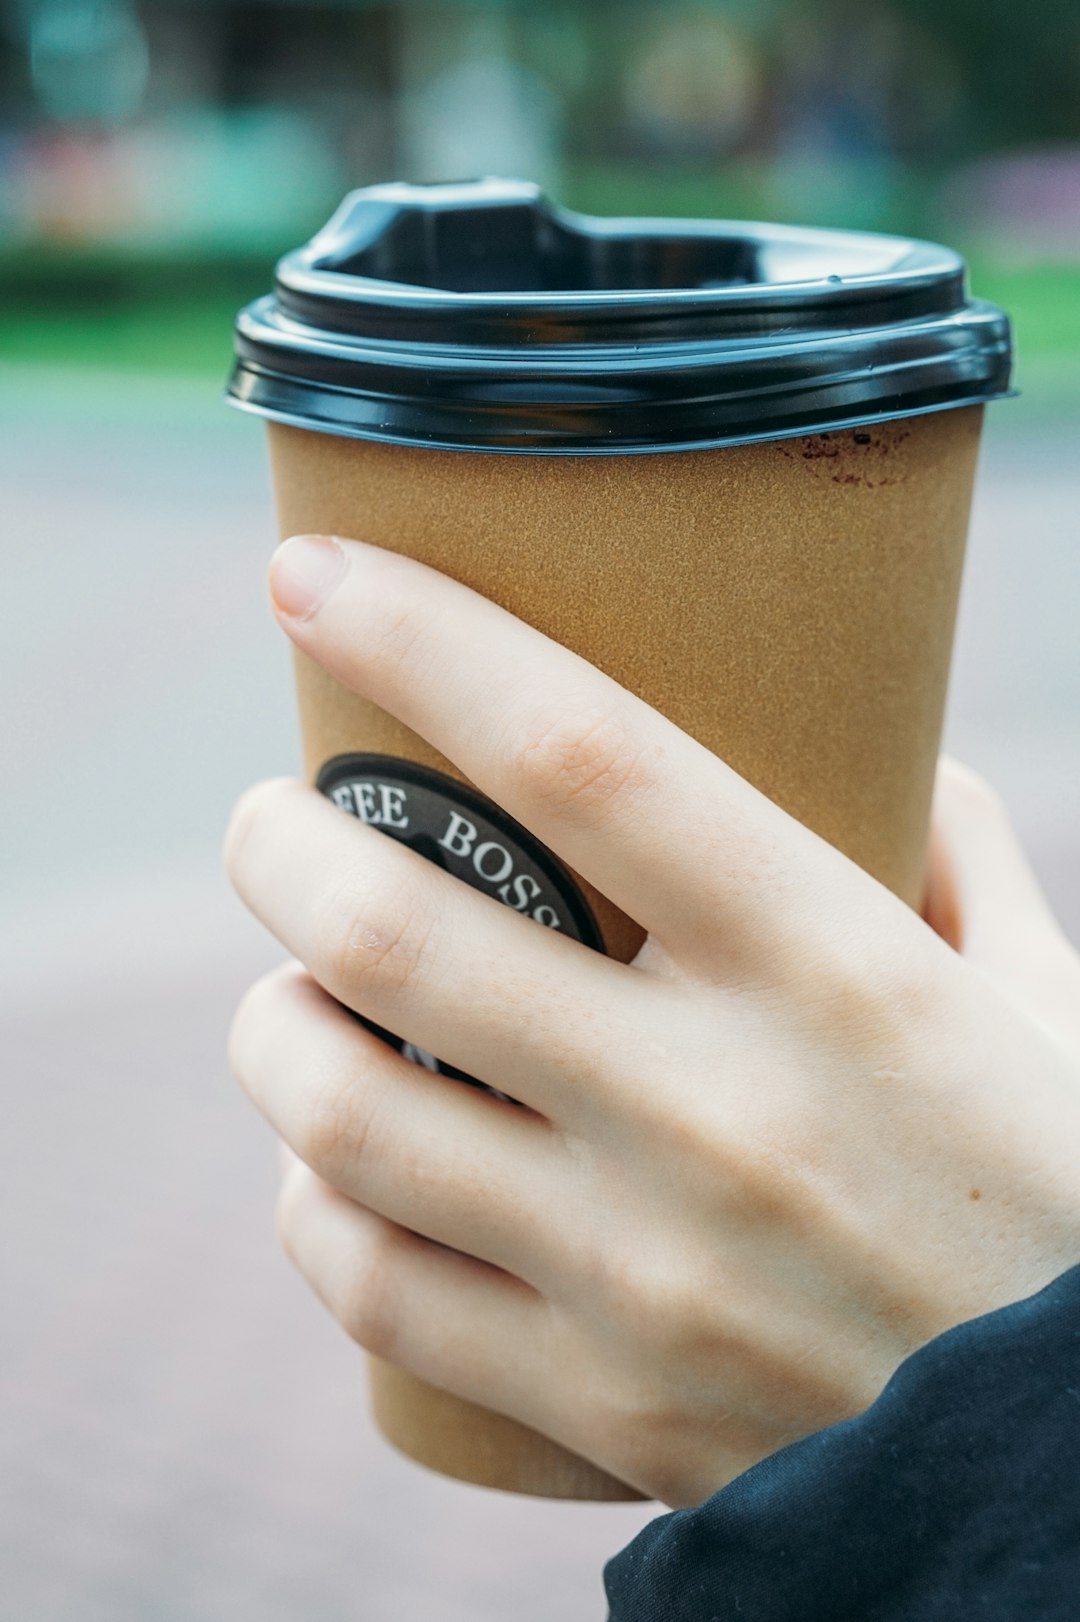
{"x":731,"y":465}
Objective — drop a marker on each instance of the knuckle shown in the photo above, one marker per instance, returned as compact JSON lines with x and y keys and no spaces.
{"x":653,"y":1304}
{"x":374,"y":943}
{"x":634,"y":1280}
{"x":870,"y":993}
{"x":661,"y":1311}
{"x":337,"y":1134}
{"x":771,"y":1174}
{"x":895,"y":1006}
{"x":579,"y":760}
{"x":368,"y":1300}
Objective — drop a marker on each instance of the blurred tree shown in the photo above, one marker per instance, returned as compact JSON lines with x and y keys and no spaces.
{"x":1020,"y":66}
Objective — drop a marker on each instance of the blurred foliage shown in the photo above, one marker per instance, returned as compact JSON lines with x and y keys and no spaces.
{"x":189,"y":338}
{"x":835,"y":112}
{"x":1020,"y":66}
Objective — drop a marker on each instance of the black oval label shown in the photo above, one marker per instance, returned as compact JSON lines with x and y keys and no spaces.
{"x":467,"y":835}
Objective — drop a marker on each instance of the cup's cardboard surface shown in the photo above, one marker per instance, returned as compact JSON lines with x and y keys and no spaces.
{"x":790,"y":604}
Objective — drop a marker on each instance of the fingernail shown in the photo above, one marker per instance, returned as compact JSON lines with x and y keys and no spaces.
{"x":305,"y":571}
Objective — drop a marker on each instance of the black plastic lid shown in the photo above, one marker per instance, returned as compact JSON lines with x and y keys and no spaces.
{"x":478,"y":316}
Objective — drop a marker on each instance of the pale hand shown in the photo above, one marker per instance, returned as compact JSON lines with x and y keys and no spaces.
{"x":802,"y":1134}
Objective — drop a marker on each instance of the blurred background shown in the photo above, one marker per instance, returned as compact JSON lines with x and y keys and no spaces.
{"x":184,"y":1431}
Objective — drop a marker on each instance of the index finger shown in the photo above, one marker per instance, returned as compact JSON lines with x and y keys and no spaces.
{"x":651,"y":818}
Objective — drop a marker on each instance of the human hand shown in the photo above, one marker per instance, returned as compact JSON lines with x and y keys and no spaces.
{"x":797,"y":1138}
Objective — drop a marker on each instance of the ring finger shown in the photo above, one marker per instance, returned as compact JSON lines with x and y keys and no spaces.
{"x":453,"y":1164}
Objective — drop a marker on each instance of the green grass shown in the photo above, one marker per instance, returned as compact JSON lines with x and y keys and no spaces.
{"x":105,"y":309}
{"x":182,"y":338}
{"x":1043,"y":301}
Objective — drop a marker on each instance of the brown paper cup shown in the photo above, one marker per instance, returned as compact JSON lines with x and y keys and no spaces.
{"x":788,"y":603}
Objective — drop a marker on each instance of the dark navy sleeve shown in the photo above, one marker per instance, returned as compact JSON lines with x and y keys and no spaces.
{"x":955,"y":1498}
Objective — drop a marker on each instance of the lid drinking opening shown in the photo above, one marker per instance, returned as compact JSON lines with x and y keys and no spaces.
{"x":520,"y":250}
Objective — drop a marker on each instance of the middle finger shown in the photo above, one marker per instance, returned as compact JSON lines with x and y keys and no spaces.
{"x":420,"y":953}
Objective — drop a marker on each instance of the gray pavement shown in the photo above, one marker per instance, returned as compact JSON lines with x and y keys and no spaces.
{"x":184,"y":1431}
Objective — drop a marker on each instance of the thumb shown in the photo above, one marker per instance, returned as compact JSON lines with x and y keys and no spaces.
{"x":984,"y":899}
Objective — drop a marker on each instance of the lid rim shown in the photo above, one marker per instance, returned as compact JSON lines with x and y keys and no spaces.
{"x":597,"y":371}
{"x":607,"y":447}
{"x":335,"y":302}
{"x":427,"y":424}
{"x":297,"y":275}
{"x":986,"y":325}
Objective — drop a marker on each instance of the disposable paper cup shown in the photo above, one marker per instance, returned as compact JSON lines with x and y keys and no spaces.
{"x":729,"y":465}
